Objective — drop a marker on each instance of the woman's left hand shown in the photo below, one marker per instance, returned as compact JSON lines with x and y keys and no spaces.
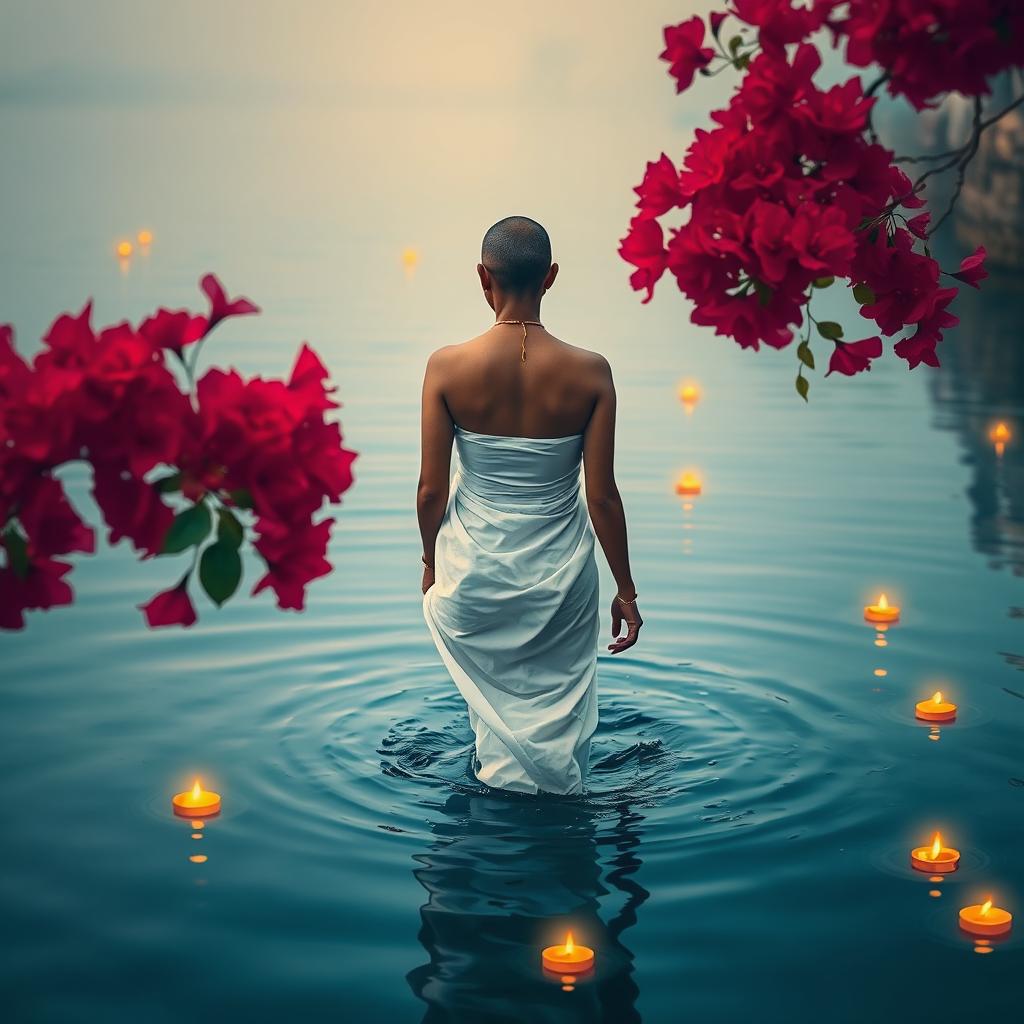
{"x":428,"y":578}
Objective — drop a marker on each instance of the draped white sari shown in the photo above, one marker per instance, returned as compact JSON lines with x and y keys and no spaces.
{"x":514,"y":608}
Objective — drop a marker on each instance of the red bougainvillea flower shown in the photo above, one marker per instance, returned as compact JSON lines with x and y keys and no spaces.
{"x":850,"y":357}
{"x":659,"y":191}
{"x":920,"y":346}
{"x":170,"y":607}
{"x":789,"y":191}
{"x":42,"y":586}
{"x":684,"y":52}
{"x":173,"y":329}
{"x":226,"y":447}
{"x":294,"y":558}
{"x":53,"y":527}
{"x":131,"y":508}
{"x":931,"y":47}
{"x":972,"y":268}
{"x":220,"y":306}
{"x":779,"y":22}
{"x":644,"y":247}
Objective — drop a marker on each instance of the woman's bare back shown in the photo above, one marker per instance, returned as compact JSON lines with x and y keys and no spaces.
{"x":490,"y":389}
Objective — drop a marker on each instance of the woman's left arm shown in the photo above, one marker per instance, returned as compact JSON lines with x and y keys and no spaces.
{"x":438,"y":432}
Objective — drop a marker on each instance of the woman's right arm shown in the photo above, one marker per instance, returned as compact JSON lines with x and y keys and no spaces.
{"x":605,"y":507}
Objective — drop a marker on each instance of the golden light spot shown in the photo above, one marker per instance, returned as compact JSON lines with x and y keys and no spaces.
{"x":881,"y":672}
{"x":145,"y":237}
{"x":935,"y":893}
{"x":197,"y":835}
{"x":198,"y":858}
{"x":124,"y":249}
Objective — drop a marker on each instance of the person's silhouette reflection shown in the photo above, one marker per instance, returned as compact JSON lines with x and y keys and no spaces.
{"x":507,"y":876}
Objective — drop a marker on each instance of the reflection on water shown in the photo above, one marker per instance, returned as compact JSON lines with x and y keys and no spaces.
{"x":981,"y":384}
{"x":505,"y":877}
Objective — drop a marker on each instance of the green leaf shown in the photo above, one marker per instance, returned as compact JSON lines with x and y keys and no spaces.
{"x":830,"y":329}
{"x":764,"y":293}
{"x":229,"y":529}
{"x":742,"y":62}
{"x":166,"y":484}
{"x":863,"y":294}
{"x":220,"y":570}
{"x":823,"y":282}
{"x":802,"y":387}
{"x":805,"y":355}
{"x":241,"y":497}
{"x":189,"y":528}
{"x":17,"y":552}
{"x":734,"y":44}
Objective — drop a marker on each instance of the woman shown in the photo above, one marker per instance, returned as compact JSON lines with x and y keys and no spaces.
{"x":510,"y":584}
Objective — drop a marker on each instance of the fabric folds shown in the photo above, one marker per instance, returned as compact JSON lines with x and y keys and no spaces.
{"x":514,"y":608}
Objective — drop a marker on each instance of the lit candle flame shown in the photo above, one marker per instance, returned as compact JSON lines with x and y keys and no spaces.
{"x":196,"y":790}
{"x":570,"y":946}
{"x":936,"y":846}
{"x":985,"y":908}
{"x":883,"y":601}
{"x":937,"y":699}
{"x":1000,"y":432}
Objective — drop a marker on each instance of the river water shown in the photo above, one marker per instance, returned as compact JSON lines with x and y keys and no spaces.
{"x":758,"y":777}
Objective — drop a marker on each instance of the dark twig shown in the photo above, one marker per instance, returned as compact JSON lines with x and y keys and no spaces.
{"x":870,"y":91}
{"x":972,"y":149}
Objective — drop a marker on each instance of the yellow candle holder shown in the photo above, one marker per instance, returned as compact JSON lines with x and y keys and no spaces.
{"x":935,"y":709}
{"x":985,"y":919}
{"x":882,"y":611}
{"x":568,"y":958}
{"x":196,"y":802}
{"x":935,"y":859}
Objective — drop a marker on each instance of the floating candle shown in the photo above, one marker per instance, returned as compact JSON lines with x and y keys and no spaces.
{"x":689,"y":395}
{"x":999,"y":435}
{"x":935,"y":859}
{"x":882,"y":612}
{"x":984,"y":919}
{"x":124,"y":249}
{"x":936,"y":709}
{"x":688,"y":483}
{"x":569,"y":958}
{"x":145,"y":237}
{"x":196,"y":803}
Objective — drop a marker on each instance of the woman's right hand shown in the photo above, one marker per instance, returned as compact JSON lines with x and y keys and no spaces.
{"x":628,"y":612}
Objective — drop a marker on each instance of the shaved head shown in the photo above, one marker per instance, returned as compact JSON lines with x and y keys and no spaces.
{"x":517,"y":253}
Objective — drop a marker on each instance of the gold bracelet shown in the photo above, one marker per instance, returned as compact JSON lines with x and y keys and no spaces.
{"x":622,"y":600}
{"x":423,"y":559}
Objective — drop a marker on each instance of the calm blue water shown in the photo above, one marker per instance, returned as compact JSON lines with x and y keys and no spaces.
{"x":756,"y":785}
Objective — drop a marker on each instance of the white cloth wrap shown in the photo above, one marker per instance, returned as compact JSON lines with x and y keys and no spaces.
{"x":514,"y":608}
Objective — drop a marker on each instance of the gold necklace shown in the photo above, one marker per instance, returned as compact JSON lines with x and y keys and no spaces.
{"x":524,"y":323}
